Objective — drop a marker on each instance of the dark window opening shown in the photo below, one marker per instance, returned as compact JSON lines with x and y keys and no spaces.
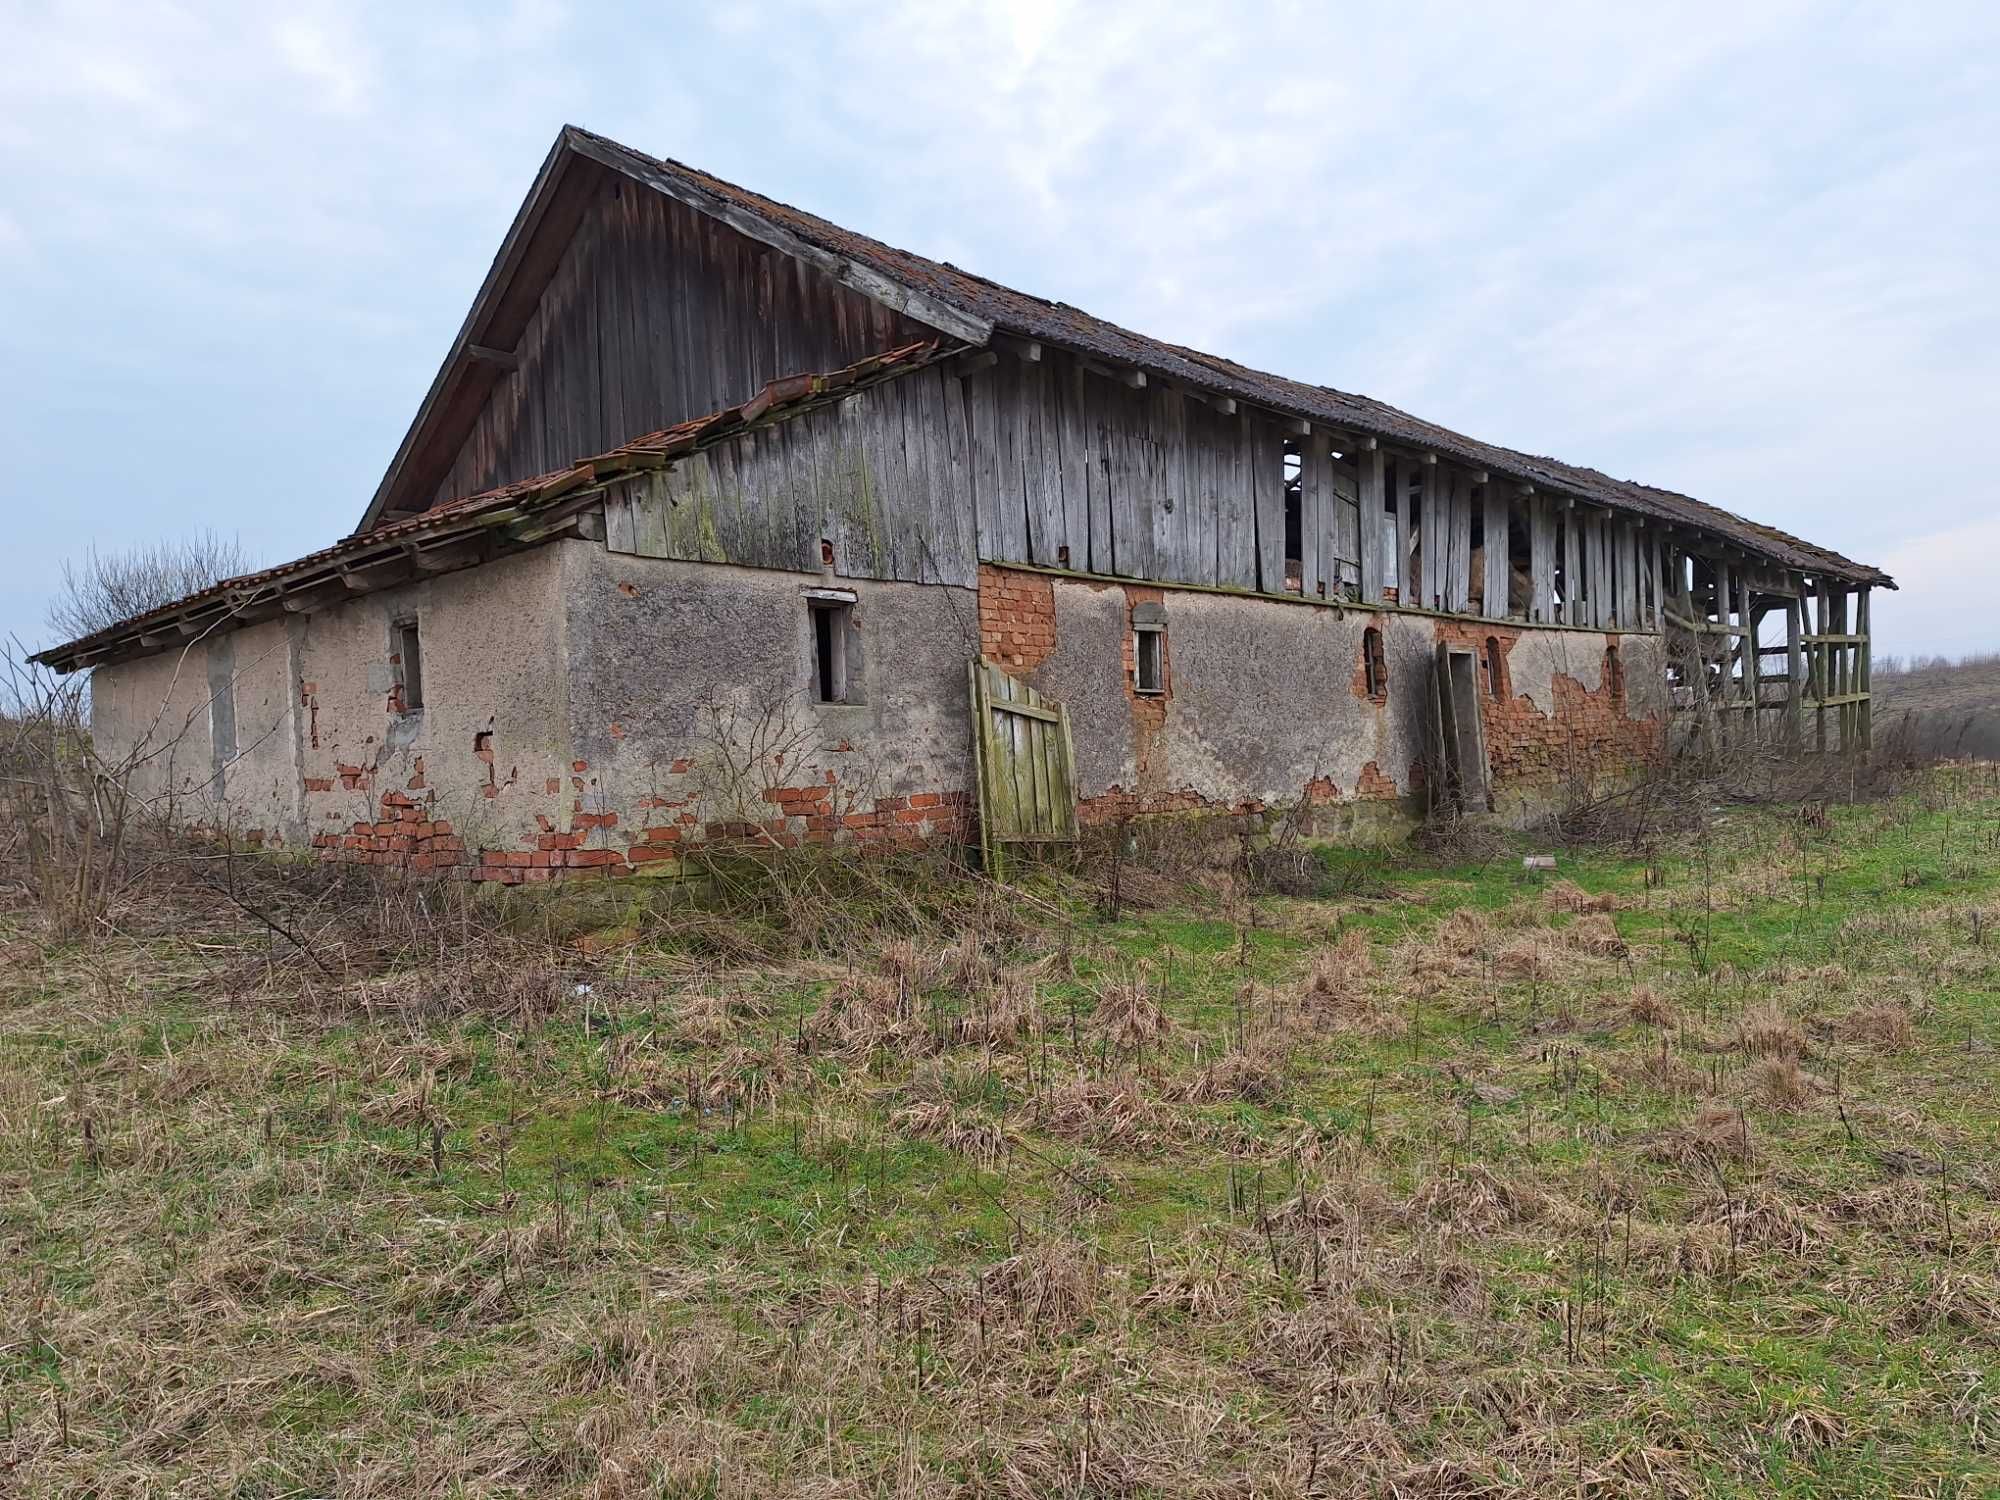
{"x":409,"y":667}
{"x":1295,"y":528}
{"x":833,"y":623}
{"x":1496,"y":670}
{"x":1614,"y":674}
{"x":1149,"y":662}
{"x":1374,"y":663}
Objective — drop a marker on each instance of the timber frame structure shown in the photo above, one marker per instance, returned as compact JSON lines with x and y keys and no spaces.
{"x":671,"y":391}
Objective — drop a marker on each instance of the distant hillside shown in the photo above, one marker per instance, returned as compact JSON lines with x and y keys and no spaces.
{"x":1943,"y":706}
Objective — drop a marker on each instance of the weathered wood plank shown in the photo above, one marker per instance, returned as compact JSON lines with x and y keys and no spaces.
{"x":1493,"y":541}
{"x":1265,"y":460}
{"x":1371,"y":481}
{"x":1458,"y":576}
{"x":1541,"y":560}
{"x":1340,"y":545}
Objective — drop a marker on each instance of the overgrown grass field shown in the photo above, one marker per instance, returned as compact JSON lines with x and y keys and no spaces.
{"x":1664,"y":1174}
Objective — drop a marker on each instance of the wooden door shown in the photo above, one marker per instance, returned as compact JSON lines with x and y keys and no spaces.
{"x":1027,"y":766}
{"x":1458,"y":739}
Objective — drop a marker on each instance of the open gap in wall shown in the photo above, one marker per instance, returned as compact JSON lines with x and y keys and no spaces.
{"x":1520,"y":566}
{"x":409,"y":666}
{"x":1295,"y":528}
{"x":1390,"y":560}
{"x":1559,"y":585}
{"x":1474,"y":586}
{"x":832,"y":618}
{"x":1374,"y":664}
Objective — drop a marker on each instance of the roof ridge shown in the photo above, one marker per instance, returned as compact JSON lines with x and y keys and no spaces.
{"x":1024,"y":314}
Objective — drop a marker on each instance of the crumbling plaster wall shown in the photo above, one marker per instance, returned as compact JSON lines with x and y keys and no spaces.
{"x":483,"y":759}
{"x":1267,"y":701}
{"x":153,"y":715}
{"x":691,"y":696}
{"x":1262,"y":705}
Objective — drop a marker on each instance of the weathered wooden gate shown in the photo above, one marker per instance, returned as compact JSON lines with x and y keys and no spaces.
{"x":1027,"y":766}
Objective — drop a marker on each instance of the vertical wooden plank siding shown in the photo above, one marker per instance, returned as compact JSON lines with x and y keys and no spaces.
{"x":1267,"y":460}
{"x":1541,"y":559}
{"x":1402,"y":528}
{"x":1433,"y":533}
{"x":1316,"y":517}
{"x":1370,"y":504}
{"x":1498,"y":560}
{"x":1458,"y":575}
{"x":1340,"y":558}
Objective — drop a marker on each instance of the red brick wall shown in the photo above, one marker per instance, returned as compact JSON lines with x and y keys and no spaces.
{"x":1589,"y":731}
{"x":654,"y":838}
{"x":1017,"y":618}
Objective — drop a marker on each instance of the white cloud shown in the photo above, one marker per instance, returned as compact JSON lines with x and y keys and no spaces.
{"x":1739,"y":251}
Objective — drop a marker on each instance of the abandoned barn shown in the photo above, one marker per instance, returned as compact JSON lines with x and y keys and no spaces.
{"x":721,"y":522}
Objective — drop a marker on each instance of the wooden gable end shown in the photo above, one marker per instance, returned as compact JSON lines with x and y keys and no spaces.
{"x":653,"y":314}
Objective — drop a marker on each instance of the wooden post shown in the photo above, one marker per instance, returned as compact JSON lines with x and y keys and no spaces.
{"x":1863,"y":653}
{"x":1795,"y":670}
{"x":1726,"y":707}
{"x":1752,"y":665}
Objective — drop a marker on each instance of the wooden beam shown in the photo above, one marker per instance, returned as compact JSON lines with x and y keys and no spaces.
{"x":505,"y":359}
{"x":973,"y":363}
{"x":1022,"y":349}
{"x":1136,"y":379}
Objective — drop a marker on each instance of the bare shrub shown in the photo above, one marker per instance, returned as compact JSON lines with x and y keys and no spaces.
{"x":104,"y":588}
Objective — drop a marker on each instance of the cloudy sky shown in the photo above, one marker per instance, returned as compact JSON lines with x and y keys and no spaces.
{"x":1745,"y":251}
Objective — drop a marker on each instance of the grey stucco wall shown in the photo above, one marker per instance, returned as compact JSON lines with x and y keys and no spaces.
{"x":691,"y":691}
{"x":310,"y":742}
{"x":1261,"y":697}
{"x":1267,"y":699}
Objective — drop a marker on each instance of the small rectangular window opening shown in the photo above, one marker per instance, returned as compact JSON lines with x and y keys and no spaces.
{"x":409,"y":667}
{"x":1374,"y":663}
{"x":1149,"y":648}
{"x":832,"y":620}
{"x":1149,"y":663}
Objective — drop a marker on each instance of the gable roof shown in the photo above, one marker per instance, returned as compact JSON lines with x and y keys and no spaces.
{"x":970,"y":308}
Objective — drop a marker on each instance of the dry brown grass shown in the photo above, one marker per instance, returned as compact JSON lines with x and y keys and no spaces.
{"x":1884,"y":1026}
{"x":1568,"y":896}
{"x":1142,"y":1208}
